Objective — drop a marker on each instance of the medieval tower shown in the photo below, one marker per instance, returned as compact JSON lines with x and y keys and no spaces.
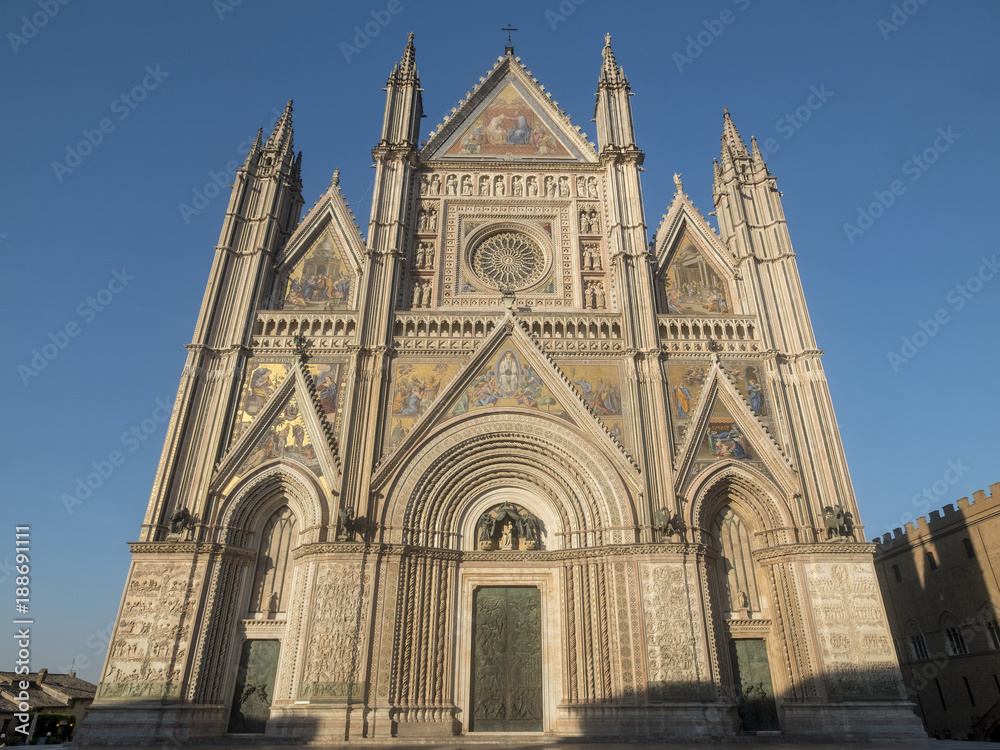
{"x":500,"y":463}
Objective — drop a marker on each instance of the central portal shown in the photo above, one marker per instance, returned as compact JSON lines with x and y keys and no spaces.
{"x":507,"y":659}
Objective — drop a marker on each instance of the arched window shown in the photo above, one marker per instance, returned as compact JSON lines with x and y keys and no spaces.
{"x":737,"y":581}
{"x":272,"y":578}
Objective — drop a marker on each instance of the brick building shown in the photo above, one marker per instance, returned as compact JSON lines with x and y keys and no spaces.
{"x":939,"y":583}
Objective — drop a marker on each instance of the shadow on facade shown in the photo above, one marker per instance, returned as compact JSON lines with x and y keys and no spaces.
{"x":940,"y":589}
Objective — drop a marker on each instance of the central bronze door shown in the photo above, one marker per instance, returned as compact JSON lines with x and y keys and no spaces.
{"x":507,"y":659}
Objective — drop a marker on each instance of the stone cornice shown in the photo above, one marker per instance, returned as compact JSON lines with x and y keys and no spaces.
{"x":379,"y":550}
{"x":788,"y":552}
{"x":191,"y":548}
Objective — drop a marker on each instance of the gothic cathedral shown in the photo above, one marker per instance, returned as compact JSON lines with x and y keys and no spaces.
{"x":502,"y":464}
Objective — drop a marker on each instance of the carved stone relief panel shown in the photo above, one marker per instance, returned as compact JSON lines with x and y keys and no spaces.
{"x":676,"y":651}
{"x":854,"y":640}
{"x":339,"y":603}
{"x":153,"y":637}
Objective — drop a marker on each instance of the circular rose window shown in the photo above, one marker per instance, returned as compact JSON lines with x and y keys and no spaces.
{"x":508,"y":260}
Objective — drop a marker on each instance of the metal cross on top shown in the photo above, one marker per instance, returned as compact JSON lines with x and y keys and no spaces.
{"x":509,"y":49}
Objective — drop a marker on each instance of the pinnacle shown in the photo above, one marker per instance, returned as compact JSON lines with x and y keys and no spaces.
{"x":408,"y":64}
{"x":611,"y":72}
{"x":281,"y":136}
{"x":731,"y":140}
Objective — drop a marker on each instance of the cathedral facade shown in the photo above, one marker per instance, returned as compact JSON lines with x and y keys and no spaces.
{"x":502,"y":464}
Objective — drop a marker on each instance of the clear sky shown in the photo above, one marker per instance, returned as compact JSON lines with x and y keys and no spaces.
{"x":107,"y":245}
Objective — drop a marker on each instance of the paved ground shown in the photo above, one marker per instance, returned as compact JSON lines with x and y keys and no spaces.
{"x":747,"y":742}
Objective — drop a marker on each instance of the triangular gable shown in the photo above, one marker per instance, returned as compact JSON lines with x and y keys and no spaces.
{"x":508,"y":371}
{"x":289,"y":427}
{"x":508,"y":116}
{"x":321,"y":262}
{"x":264,"y":377}
{"x":695,"y":274}
{"x":723,"y":429}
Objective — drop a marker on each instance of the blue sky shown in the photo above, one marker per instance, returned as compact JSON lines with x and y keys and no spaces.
{"x":107,"y":246}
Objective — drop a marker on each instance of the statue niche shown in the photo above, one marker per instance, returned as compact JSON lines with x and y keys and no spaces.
{"x":508,"y":527}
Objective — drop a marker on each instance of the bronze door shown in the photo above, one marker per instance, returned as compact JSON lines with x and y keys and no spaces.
{"x":254,"y":687}
{"x":507,"y":659}
{"x":752,"y":680}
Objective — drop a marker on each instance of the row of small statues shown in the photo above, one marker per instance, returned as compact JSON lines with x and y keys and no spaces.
{"x":586,"y":187}
{"x":422,"y":294}
{"x":423,"y":256}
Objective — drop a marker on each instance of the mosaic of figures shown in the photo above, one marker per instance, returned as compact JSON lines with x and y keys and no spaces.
{"x":153,"y":633}
{"x":687,"y":381}
{"x":724,"y":439}
{"x":264,"y":377}
{"x":692,"y":286}
{"x":321,"y":280}
{"x":509,"y":126}
{"x":286,"y":438}
{"x":507,"y":381}
{"x":600,"y":388}
{"x":415,"y":386}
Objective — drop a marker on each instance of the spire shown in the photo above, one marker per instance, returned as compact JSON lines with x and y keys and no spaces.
{"x":406,"y":70}
{"x":732,"y":144}
{"x":613,"y":110}
{"x":611,"y":73}
{"x":281,"y":136}
{"x":254,"y":151}
{"x":403,"y":108}
{"x":756,"y":157}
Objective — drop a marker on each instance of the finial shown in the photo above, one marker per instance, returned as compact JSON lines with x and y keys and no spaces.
{"x":677,"y":183}
{"x":509,"y":49}
{"x":335,"y":180}
{"x":607,"y":39}
{"x":410,"y":37}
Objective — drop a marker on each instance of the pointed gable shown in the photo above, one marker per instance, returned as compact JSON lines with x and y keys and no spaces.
{"x":321,"y":263}
{"x":508,"y":379}
{"x":508,"y":117}
{"x":729,"y":424}
{"x":692,"y":284}
{"x":291,"y":424}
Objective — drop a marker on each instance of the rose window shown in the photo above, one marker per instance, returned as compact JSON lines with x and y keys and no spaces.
{"x":508,"y":260}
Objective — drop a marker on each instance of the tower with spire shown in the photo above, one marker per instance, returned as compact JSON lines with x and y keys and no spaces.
{"x":499,"y":463}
